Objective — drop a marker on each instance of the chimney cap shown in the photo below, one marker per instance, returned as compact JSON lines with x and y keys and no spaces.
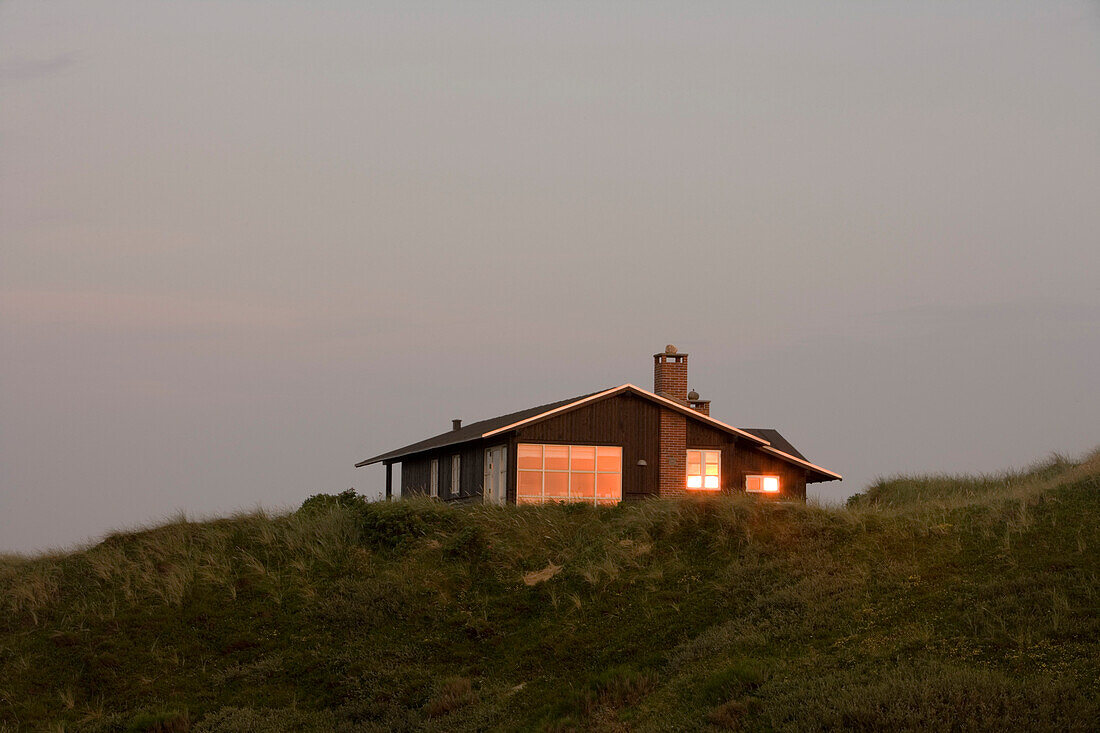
{"x":670,"y":349}
{"x":693,"y":395}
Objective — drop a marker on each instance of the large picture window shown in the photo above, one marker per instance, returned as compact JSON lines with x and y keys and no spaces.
{"x":704,"y":469}
{"x":586,"y":473}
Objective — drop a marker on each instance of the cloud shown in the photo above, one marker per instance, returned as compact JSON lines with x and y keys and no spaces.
{"x":25,"y":69}
{"x":160,"y":313}
{"x":1021,"y":315}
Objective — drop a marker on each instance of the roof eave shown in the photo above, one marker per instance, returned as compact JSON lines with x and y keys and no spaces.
{"x":833,"y":476}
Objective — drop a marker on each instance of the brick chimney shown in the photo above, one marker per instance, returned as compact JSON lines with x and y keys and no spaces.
{"x":670,"y":379}
{"x":697,"y":404}
{"x":670,"y":374}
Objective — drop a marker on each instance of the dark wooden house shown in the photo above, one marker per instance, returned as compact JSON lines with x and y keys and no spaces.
{"x":605,"y":447}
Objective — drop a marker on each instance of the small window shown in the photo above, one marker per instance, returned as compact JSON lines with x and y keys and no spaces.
{"x":456,"y":475}
{"x":433,"y":485}
{"x":703,"y":469}
{"x":762,"y":484}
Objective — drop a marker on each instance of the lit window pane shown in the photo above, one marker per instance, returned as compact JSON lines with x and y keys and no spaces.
{"x":712,"y":456}
{"x":584,"y":473}
{"x":712,"y":469}
{"x":556,"y":457}
{"x":711,"y":482}
{"x":695,"y":482}
{"x":608,"y":486}
{"x":583,"y":457}
{"x":695,"y":469}
{"x":694,"y":457}
{"x":529,"y":457}
{"x":766,"y":484}
{"x":609,"y":459}
{"x":557,"y":485}
{"x":530,"y":483}
{"x":584,"y":486}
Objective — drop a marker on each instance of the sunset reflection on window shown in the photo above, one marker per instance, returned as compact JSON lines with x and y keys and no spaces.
{"x":586,"y":473}
{"x":703,"y":469}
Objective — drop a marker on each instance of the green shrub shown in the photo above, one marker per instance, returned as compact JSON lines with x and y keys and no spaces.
{"x":468,"y":543}
{"x":391,"y":525}
{"x":326,"y":502}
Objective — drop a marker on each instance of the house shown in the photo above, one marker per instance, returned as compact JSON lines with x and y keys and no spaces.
{"x":615,"y":445}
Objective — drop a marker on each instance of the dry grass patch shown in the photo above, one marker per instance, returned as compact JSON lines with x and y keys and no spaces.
{"x":454,"y":693}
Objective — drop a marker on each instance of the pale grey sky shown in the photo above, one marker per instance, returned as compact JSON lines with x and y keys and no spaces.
{"x":246,"y":244}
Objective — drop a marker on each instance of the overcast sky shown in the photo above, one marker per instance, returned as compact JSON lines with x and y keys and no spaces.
{"x":244,"y":245}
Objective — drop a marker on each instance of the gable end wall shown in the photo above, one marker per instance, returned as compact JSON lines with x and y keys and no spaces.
{"x":625,"y":420}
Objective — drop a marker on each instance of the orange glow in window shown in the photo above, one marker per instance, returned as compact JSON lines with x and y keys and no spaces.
{"x":762,"y":484}
{"x":587,"y":473}
{"x":703,"y":469}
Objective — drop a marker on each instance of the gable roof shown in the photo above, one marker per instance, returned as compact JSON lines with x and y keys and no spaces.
{"x":504,"y":423}
{"x":493,"y":426}
{"x":621,"y":389}
{"x":776,"y":440}
{"x":473,"y":431}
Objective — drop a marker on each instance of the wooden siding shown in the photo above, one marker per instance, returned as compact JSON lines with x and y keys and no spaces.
{"x":416,"y":472}
{"x":625,"y":420}
{"x":741,"y":458}
{"x":415,"y":476}
{"x":792,"y":478}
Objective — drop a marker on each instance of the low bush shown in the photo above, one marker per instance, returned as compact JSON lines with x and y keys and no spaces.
{"x":318,"y":503}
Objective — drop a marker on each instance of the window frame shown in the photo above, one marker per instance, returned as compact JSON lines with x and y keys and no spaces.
{"x":569,"y":472}
{"x":456,"y":475}
{"x":433,"y":478}
{"x":703,"y":462}
{"x":763,"y":478}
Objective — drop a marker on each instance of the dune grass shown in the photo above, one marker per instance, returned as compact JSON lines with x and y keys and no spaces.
{"x":929,"y":603}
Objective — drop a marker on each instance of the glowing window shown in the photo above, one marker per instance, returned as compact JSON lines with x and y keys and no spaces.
{"x":762,"y":484}
{"x":703,"y":469}
{"x":588,"y":473}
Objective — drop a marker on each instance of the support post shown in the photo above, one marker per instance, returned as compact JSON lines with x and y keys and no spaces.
{"x":389,"y":481}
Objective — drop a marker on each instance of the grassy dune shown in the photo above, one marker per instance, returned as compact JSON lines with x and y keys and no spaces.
{"x":929,"y":602}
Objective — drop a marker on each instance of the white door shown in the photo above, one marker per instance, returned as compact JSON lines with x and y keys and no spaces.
{"x":496,"y":475}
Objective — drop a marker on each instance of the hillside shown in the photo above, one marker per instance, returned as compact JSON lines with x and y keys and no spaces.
{"x":929,"y":602}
